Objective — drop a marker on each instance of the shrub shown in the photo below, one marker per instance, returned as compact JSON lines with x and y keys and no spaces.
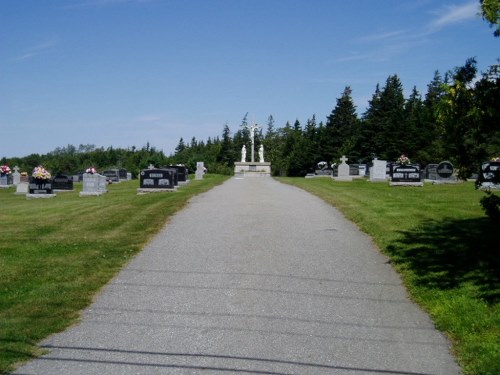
{"x":491,"y":205}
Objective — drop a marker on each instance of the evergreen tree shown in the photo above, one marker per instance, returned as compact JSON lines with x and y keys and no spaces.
{"x":342,"y":125}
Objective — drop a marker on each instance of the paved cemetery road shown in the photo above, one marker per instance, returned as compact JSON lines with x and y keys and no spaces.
{"x":252,"y":277}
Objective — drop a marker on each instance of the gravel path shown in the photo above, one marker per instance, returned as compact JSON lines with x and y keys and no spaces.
{"x":252,"y":277}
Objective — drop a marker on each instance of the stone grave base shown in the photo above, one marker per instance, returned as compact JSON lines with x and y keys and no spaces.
{"x":62,"y":190}
{"x":147,"y":191}
{"x":249,"y":169}
{"x":91,"y":194}
{"x":438,"y":182}
{"x":345,"y":178}
{"x":36,"y":196}
{"x":407,"y":184}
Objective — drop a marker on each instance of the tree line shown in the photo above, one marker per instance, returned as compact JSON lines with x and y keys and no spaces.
{"x":457,"y":119}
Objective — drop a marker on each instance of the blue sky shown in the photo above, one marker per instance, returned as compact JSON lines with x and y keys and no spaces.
{"x":123,"y":73}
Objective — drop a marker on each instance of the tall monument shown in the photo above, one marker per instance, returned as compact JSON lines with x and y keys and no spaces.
{"x":252,"y":168}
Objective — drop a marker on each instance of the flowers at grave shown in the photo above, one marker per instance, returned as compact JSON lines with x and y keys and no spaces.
{"x":41,"y":173}
{"x":4,"y":169}
{"x":495,"y":159}
{"x":403,"y":160}
{"x":91,"y":170}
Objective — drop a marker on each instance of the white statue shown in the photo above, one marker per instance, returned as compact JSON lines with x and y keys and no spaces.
{"x":261,"y":153}
{"x":243,"y":154}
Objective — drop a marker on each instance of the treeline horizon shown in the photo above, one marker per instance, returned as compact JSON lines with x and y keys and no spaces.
{"x":457,"y":119}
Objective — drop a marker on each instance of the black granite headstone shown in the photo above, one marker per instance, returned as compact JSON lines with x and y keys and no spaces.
{"x":405,"y":173}
{"x":157,"y":179}
{"x":112,"y":175}
{"x":444,"y":170}
{"x":40,"y":186}
{"x":62,"y":182}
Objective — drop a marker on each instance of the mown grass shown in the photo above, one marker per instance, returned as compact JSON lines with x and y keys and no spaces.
{"x":55,"y":254}
{"x":445,"y":248}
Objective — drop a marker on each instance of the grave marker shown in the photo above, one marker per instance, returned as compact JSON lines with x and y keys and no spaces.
{"x":156,"y":180}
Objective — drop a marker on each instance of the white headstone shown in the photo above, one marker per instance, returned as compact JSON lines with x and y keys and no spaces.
{"x":93,"y":185}
{"x":22,"y":188}
{"x":343,"y":170}
{"x":16,"y":176}
{"x":378,"y":171}
{"x":200,"y":170}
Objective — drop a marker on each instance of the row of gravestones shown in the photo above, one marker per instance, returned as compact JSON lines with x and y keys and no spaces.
{"x":94,"y":184}
{"x":411,"y":174}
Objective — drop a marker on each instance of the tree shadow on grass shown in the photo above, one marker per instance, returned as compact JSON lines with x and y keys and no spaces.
{"x":446,"y":254}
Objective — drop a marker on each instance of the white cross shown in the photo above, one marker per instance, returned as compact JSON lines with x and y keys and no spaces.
{"x":343,"y":159}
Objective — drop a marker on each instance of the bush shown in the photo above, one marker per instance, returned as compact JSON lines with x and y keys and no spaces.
{"x":491,"y":205}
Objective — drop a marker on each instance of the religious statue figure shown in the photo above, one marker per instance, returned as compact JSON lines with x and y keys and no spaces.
{"x":261,"y":153}
{"x":243,"y":154}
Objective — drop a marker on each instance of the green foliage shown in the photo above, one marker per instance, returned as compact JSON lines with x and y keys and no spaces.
{"x":491,"y":205}
{"x":490,"y":11}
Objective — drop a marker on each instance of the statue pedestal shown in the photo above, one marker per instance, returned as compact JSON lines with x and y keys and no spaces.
{"x":249,"y":169}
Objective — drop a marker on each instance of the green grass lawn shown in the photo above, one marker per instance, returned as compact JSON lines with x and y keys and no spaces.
{"x":446,"y":249}
{"x":55,"y":254}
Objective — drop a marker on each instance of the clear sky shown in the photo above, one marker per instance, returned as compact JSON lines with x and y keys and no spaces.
{"x":123,"y":73}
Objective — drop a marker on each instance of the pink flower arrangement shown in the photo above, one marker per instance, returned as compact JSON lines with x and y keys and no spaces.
{"x":403,"y":159}
{"x":41,"y":173}
{"x":4,"y":169}
{"x":91,"y":170}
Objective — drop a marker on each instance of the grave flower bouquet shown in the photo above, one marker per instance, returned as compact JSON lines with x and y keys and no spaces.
{"x":91,"y":170}
{"x":404,"y":160}
{"x":41,"y":173}
{"x":495,"y":158}
{"x":4,"y":169}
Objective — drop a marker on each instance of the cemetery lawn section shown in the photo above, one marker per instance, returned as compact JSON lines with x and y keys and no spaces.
{"x":56,"y":254}
{"x":445,"y":248}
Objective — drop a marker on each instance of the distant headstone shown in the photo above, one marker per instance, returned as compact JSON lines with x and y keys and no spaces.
{"x":62,"y":182}
{"x":431,"y":172}
{"x":122,"y":174}
{"x":354,"y":169}
{"x":94,"y":184}
{"x":343,"y":170}
{"x":445,"y":172}
{"x":129,"y":176}
{"x":40,"y":188}
{"x":200,"y":170}
{"x":362,"y":170}
{"x":157,"y":180}
{"x":16,"y":176}
{"x":182,"y":173}
{"x":323,"y":169}
{"x":378,"y":172}
{"x":22,"y":188}
{"x":6,"y":180}
{"x":112,"y":175}
{"x":405,"y":175}
{"x":489,"y":176}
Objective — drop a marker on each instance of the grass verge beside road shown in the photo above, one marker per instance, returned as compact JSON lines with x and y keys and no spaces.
{"x":445,"y":248}
{"x":55,"y":254}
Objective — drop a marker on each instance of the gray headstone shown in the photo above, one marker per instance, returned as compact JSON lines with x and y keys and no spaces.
{"x":378,"y":171}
